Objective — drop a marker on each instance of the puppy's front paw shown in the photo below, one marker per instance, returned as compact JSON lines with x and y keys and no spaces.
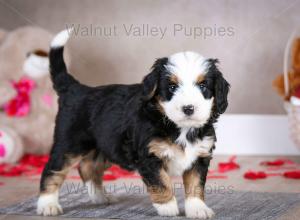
{"x":50,"y":210}
{"x":196,"y":208}
{"x":48,"y":206}
{"x":167,"y":209}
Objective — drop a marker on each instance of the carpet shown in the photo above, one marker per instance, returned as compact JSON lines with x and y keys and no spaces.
{"x":135,"y":206}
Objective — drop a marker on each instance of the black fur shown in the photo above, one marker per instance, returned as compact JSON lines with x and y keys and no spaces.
{"x":202,"y":165}
{"x":61,"y":79}
{"x":118,"y":121}
{"x":220,"y":87}
{"x":150,"y":82}
{"x":200,"y":133}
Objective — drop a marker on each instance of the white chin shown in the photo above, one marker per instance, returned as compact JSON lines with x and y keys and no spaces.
{"x":190,"y":123}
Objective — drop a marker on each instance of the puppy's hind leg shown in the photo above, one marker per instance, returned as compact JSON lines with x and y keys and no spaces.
{"x":53,"y":177}
{"x":91,"y":170}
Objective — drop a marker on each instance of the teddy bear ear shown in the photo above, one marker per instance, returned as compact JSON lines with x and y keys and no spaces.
{"x":41,"y":53}
{"x":296,"y":55}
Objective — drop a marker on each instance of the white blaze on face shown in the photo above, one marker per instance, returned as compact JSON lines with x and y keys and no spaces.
{"x":187,"y":67}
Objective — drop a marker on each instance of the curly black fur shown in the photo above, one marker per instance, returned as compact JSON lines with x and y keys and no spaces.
{"x":119,"y":121}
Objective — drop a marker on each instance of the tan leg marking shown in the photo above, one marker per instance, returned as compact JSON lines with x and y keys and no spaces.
{"x":162,"y":197}
{"x":192,"y":186}
{"x":54,"y":182}
{"x":194,"y":196}
{"x":48,"y":204}
{"x":91,"y":170}
{"x":164,"y":193}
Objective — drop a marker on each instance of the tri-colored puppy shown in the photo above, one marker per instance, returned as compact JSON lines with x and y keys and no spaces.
{"x":161,"y":127}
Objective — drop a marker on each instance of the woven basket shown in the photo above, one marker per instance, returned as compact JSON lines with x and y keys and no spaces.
{"x":292,"y":110}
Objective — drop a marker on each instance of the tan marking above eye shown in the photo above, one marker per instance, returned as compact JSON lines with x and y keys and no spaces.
{"x":174,"y":79}
{"x":200,"y":78}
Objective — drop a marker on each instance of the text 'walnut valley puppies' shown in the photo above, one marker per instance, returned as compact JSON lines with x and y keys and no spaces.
{"x":160,"y":127}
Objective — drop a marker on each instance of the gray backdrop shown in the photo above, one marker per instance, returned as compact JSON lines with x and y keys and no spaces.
{"x":248,"y":37}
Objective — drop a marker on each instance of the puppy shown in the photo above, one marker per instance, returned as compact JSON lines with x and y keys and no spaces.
{"x":161,"y":127}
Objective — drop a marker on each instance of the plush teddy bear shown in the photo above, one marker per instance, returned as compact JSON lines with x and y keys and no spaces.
{"x":5,"y":90}
{"x":8,"y":138}
{"x":28,"y":102}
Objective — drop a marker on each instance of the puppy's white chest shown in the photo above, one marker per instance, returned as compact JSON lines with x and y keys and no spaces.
{"x":179,"y":161}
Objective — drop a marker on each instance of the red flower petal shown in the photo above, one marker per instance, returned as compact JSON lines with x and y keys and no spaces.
{"x":29,"y":165}
{"x":292,"y":174}
{"x":228,"y":166}
{"x":277,"y":162}
{"x":217,"y":177}
{"x":255,"y":175}
{"x":109,"y":177}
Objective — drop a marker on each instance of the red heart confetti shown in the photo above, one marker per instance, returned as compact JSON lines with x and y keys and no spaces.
{"x":255,"y":175}
{"x":224,"y":167}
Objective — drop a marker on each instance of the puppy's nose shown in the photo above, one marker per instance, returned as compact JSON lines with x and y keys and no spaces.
{"x":188,"y":109}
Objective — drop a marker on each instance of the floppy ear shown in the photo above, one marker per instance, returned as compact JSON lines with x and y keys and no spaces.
{"x":221,"y":93}
{"x":221,"y":87}
{"x":150,"y":82}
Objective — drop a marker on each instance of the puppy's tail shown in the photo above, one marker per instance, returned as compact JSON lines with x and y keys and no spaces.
{"x":62,"y":80}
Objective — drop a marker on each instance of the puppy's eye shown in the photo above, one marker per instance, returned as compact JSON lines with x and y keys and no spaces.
{"x":202,"y":86}
{"x":172,"y":88}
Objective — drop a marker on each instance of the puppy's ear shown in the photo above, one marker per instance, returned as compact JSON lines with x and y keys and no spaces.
{"x":221,"y":93}
{"x":221,"y":87}
{"x":150,"y":82}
